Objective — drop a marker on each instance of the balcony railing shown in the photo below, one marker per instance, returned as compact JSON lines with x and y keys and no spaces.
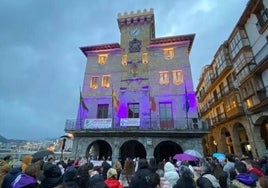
{"x":262,"y":54}
{"x":263,"y":93}
{"x":124,"y":124}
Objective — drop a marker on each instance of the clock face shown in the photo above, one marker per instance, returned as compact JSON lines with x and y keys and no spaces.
{"x":135,"y":32}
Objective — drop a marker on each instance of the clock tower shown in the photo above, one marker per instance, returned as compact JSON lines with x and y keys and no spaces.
{"x":137,"y":30}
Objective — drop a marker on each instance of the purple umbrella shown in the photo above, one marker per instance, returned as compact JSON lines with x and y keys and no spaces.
{"x":185,"y":157}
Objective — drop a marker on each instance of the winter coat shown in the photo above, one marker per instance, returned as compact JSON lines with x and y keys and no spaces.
{"x":10,"y":177}
{"x":71,"y":184}
{"x":4,"y":169}
{"x":113,"y":183}
{"x":124,"y":179}
{"x":164,"y":183}
{"x":207,"y":181}
{"x":97,"y":181}
{"x":171,"y":174}
{"x":24,"y":181}
{"x":243,"y":181}
{"x":185,"y":183}
{"x":142,"y":179}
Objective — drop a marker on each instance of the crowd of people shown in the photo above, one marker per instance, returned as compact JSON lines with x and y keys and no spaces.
{"x":139,"y":173}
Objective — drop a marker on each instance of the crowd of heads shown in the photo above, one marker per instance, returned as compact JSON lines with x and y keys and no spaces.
{"x":148,"y":173}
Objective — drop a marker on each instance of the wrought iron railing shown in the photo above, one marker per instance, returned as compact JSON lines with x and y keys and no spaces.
{"x":153,"y":124}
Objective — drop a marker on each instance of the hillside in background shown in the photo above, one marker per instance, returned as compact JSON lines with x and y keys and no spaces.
{"x":3,"y":139}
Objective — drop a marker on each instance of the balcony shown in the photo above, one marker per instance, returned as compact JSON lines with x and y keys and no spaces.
{"x":263,"y":93}
{"x":135,"y":124}
{"x":218,"y":119}
{"x":262,"y":21}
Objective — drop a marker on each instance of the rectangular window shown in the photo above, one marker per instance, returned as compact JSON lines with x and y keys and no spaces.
{"x":102,"y":111}
{"x":166,"y":116}
{"x":177,"y":77}
{"x":102,"y":58}
{"x":163,"y":77}
{"x":105,"y":81}
{"x":94,"y":82}
{"x":133,"y":110}
{"x":168,"y":53}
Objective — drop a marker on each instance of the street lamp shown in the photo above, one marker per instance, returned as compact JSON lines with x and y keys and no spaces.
{"x":64,"y":138}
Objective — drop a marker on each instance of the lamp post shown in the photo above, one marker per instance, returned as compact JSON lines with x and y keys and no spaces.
{"x":64,"y":139}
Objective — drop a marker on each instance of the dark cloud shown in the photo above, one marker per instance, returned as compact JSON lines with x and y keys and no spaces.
{"x":42,"y":67}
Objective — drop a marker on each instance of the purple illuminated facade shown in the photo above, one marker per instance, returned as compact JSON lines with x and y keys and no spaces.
{"x":139,"y":68}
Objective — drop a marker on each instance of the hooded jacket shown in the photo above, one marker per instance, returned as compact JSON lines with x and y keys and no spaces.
{"x":24,"y":180}
{"x":113,"y":183}
{"x":11,"y":176}
{"x":243,"y":180}
{"x":171,"y":174}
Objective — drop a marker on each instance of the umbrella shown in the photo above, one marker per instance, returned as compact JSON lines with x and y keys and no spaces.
{"x":219,"y":155}
{"x":193,"y":152}
{"x":185,"y":157}
{"x":42,"y":153}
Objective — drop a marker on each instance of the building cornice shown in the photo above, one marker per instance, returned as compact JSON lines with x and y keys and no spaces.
{"x":159,"y":42}
{"x":100,"y":48}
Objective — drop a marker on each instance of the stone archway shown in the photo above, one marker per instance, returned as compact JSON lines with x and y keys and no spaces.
{"x":240,"y":138}
{"x":263,"y":123}
{"x":132,"y":149}
{"x":99,"y":150}
{"x":166,"y":149}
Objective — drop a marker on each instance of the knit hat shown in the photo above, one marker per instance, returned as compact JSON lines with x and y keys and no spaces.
{"x":111,"y":173}
{"x":17,"y":164}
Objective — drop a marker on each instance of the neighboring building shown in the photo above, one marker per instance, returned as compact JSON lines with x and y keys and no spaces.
{"x":232,"y":91}
{"x":137,"y":96}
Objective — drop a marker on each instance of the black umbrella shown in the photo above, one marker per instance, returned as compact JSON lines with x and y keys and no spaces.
{"x":42,"y":153}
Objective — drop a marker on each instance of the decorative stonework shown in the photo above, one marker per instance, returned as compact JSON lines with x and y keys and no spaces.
{"x":134,"y":46}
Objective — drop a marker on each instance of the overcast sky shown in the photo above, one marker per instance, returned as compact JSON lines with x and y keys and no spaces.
{"x":42,"y":67}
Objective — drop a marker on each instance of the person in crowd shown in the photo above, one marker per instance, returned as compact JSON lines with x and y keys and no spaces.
{"x":171,"y":174}
{"x":136,"y":163}
{"x":217,"y":171}
{"x":163,"y":182}
{"x":242,"y":179}
{"x":28,"y":179}
{"x":8,"y":160}
{"x":70,"y":178}
{"x":152,"y":164}
{"x":206,"y":179}
{"x":83,"y":175}
{"x":26,"y":161}
{"x":118,"y":167}
{"x":51,"y":176}
{"x":4,"y":169}
{"x":263,"y":181}
{"x":230,"y":161}
{"x":96,"y":180}
{"x":112,"y":181}
{"x":105,"y":167}
{"x":12,"y":174}
{"x":254,"y":172}
{"x":264,"y":165}
{"x":186,"y":178}
{"x":83,"y":160}
{"x":127,"y":173}
{"x":143,"y":177}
